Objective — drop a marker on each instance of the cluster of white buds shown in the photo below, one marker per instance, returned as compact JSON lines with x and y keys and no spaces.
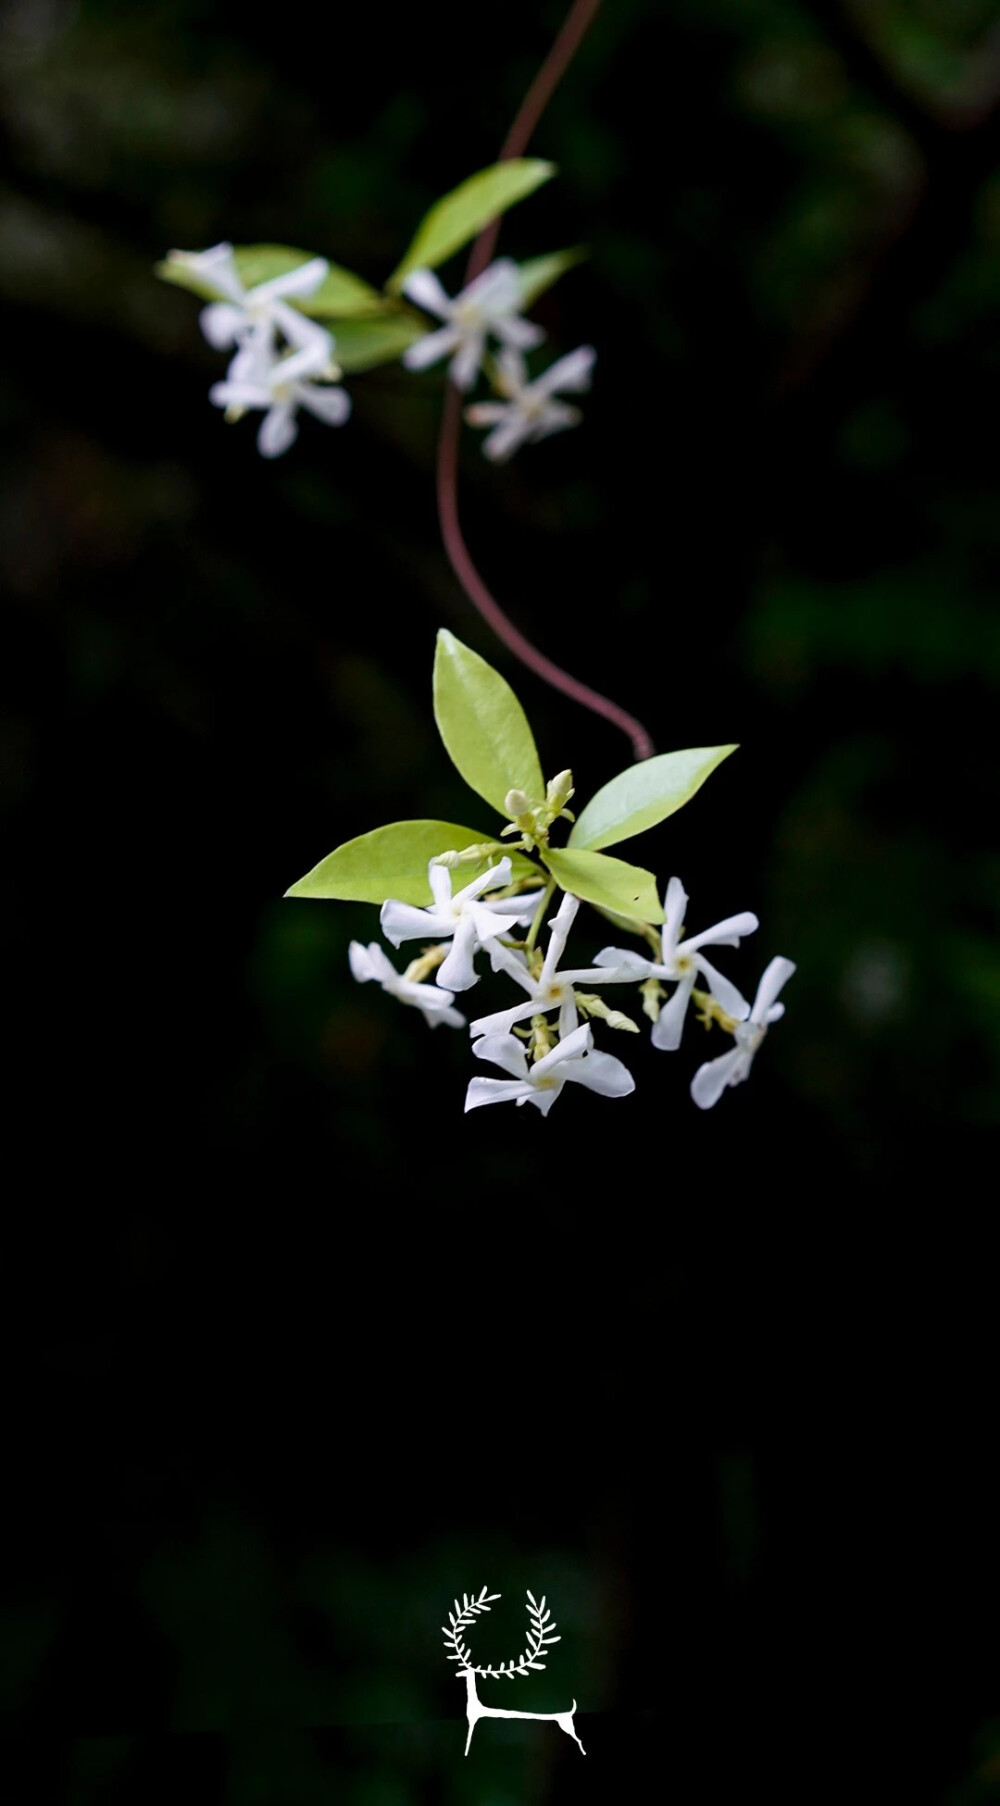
{"x":540,"y":1040}
{"x":283,"y":360}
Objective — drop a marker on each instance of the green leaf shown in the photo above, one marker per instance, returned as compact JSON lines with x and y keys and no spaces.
{"x":627,"y":890}
{"x":392,"y":862}
{"x":361,"y":344}
{"x":539,"y":273}
{"x":458,"y":216}
{"x":340,"y":295}
{"x":644,"y":795}
{"x":483,"y":726}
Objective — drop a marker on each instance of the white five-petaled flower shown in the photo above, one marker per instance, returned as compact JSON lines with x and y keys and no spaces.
{"x":573,"y":1059}
{"x":489,"y":305}
{"x":243,"y":312}
{"x":731,"y":1068}
{"x":435,"y":1005}
{"x":681,"y":962}
{"x":472,"y":923}
{"x":259,"y":378}
{"x":552,"y":989}
{"x":528,"y":412}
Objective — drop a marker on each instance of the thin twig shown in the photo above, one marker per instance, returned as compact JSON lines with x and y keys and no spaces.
{"x":529,"y":113}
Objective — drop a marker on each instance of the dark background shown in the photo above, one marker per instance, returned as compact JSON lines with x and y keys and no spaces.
{"x":295,"y":1351}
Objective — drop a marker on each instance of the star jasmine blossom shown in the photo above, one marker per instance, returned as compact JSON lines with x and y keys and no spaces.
{"x":732,"y":1068}
{"x":574,"y":1059}
{"x":552,"y":989}
{"x":471,"y":923}
{"x":681,"y":962}
{"x":488,"y":306}
{"x":368,"y":963}
{"x":258,"y":378}
{"x":241,"y":313}
{"x":528,"y":412}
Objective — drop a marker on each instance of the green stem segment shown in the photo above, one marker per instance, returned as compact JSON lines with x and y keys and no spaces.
{"x":543,"y":904}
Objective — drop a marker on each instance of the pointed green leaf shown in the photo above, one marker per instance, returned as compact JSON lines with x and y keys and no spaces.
{"x":628,"y":890}
{"x":644,"y":795}
{"x":458,"y":216}
{"x":341,"y":294}
{"x":362,"y":344}
{"x":539,"y":273}
{"x":392,"y":862}
{"x":483,"y":726}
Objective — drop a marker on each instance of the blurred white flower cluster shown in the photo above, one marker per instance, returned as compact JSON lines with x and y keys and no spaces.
{"x":540,"y":1041}
{"x":284,"y":361}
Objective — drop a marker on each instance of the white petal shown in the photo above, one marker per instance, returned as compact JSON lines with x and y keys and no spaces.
{"x":724,"y":934}
{"x":725,"y":993}
{"x":423,"y":287}
{"x":222,"y":323}
{"x":502,"y":1021}
{"x":625,"y":961}
{"x":517,"y":909}
{"x":451,"y":1018}
{"x":497,"y":290}
{"x":494,"y":879}
{"x":331,"y":405}
{"x":512,"y":330}
{"x":424,"y":997}
{"x":559,"y":927}
{"x":360,"y":962}
{"x":440,"y":880}
{"x":217,"y":265}
{"x":579,"y":1042}
{"x":775,"y":1013}
{"x":507,"y":959}
{"x":557,"y":418}
{"x":505,"y":439}
{"x":569,"y":1020}
{"x":503,"y":1050}
{"x":458,"y":972}
{"x":674,"y":905}
{"x":464,"y":366}
{"x":775,"y":975}
{"x":602,"y":1073}
{"x":669,"y":1025}
{"x":710,"y":1080}
{"x":497,"y":1091}
{"x":239,"y":395}
{"x":431,"y":348}
{"x":487,"y":413}
{"x":405,"y":922}
{"x":278,"y":430}
{"x":572,"y":373}
{"x":305,"y":279}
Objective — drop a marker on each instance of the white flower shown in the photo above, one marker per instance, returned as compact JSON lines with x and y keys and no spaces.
{"x":681,"y":962}
{"x":258,"y":378}
{"x":472,"y":923}
{"x":731,"y":1068}
{"x":244,"y":312}
{"x":435,"y":1005}
{"x":488,"y":305}
{"x":552,"y":989}
{"x":528,"y":413}
{"x":540,"y":1084}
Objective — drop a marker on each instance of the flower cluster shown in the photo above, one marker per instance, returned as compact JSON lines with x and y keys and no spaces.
{"x":284,"y":360}
{"x":540,"y":1040}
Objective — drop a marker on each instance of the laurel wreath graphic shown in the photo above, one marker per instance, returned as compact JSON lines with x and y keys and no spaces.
{"x":540,"y":1635}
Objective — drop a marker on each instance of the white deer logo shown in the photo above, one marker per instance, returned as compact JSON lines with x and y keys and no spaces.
{"x":540,"y":1636}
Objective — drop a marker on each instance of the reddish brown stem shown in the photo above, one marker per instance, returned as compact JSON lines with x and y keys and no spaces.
{"x":531,"y":110}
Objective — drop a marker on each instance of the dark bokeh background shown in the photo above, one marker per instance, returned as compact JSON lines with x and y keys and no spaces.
{"x":294,"y":1350}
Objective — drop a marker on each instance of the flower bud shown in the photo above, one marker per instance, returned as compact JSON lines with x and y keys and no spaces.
{"x":559,"y":791}
{"x":516,"y":803}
